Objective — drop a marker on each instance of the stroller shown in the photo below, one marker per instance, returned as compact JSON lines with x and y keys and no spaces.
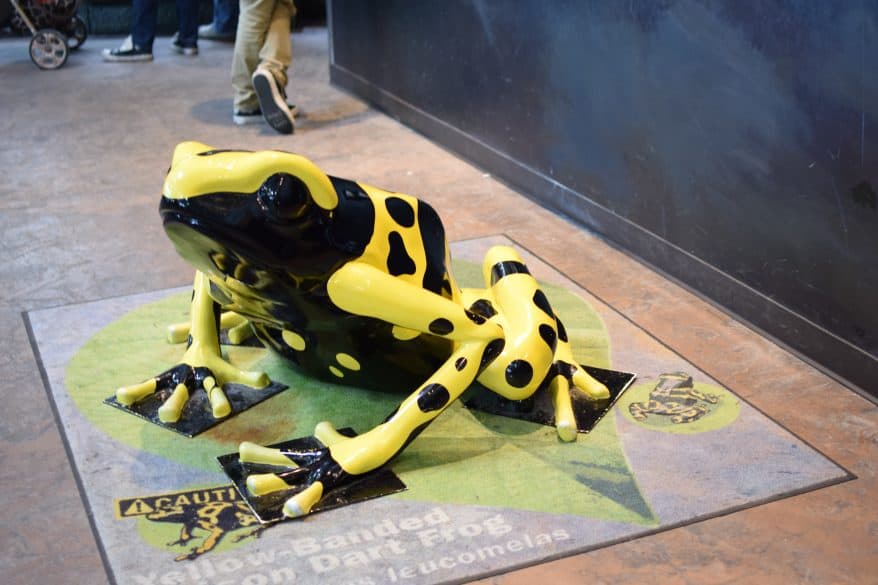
{"x":54,"y":27}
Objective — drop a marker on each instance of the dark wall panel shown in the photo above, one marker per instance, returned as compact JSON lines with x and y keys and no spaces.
{"x":732,"y":144}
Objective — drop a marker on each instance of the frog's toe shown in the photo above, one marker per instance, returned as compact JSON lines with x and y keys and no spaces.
{"x":219,"y":403}
{"x":253,"y":453}
{"x":567,"y":432}
{"x":591,"y":388}
{"x":228,"y":373}
{"x":302,"y":502}
{"x":128,"y":395}
{"x":238,"y":327}
{"x":255,"y":379}
{"x":326,"y":434}
{"x":565,"y":421}
{"x":240,"y":333}
{"x":170,"y":411}
{"x":260,"y":484}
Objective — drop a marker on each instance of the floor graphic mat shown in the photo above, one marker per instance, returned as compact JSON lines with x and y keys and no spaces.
{"x":486,"y":493}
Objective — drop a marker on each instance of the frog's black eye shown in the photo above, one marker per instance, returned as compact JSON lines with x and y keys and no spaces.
{"x":283,"y":196}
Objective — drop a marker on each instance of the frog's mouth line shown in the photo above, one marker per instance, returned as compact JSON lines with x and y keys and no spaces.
{"x":214,"y":221}
{"x":216,"y":230}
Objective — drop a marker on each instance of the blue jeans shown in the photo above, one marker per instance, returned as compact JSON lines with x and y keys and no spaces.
{"x":225,"y":16}
{"x":144,"y":14}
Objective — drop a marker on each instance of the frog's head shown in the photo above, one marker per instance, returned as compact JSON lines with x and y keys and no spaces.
{"x":265,"y":209}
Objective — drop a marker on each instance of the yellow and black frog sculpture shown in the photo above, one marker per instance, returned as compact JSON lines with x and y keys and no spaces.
{"x":353,"y":285}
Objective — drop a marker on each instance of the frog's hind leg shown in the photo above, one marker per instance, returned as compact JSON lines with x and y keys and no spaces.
{"x":537,"y":352}
{"x":363,"y":453}
{"x":530,"y":334}
{"x":343,"y":457}
{"x":363,"y":289}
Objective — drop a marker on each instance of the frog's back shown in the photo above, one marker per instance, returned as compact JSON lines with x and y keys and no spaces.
{"x":404,"y":238}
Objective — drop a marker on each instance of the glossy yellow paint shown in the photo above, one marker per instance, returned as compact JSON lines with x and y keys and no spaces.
{"x":253,"y":453}
{"x":294,"y":340}
{"x":378,"y":249}
{"x":238,"y":328}
{"x":363,"y":289}
{"x":192,"y":174}
{"x":326,"y":434}
{"x":171,"y":409}
{"x":128,"y":395}
{"x":301,"y":503}
{"x":260,"y":484}
{"x":373,"y":449}
{"x":203,"y":351}
{"x":348,"y":361}
{"x":520,"y":319}
{"x":404,"y":334}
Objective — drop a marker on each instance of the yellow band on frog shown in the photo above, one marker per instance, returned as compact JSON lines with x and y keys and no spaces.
{"x":198,"y":169}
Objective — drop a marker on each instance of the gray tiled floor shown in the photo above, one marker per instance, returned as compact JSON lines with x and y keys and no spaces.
{"x":83,"y":151}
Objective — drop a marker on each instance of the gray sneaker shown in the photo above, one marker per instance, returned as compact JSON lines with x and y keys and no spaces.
{"x":207,"y":31}
{"x":272,"y":101}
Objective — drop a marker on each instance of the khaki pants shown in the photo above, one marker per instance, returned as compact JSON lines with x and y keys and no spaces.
{"x":262,"y":39}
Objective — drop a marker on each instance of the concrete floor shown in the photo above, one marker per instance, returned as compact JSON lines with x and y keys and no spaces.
{"x":83,"y":154}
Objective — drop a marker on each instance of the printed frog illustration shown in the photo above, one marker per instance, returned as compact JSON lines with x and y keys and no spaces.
{"x":215,"y":518}
{"x":674,"y":396}
{"x":353,"y":285}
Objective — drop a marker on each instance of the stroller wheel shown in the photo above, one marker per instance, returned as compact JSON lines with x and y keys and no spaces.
{"x":48,"y":49}
{"x":77,"y":34}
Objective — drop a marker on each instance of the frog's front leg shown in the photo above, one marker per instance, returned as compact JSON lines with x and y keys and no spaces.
{"x":364,"y":290}
{"x":202,"y":365}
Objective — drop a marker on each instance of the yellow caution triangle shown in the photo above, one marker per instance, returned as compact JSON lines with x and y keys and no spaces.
{"x":137,"y":508}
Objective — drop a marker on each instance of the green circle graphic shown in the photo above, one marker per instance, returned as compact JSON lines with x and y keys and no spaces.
{"x":704,"y":408}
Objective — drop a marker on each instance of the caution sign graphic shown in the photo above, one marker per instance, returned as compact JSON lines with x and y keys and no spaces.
{"x":205,"y":516}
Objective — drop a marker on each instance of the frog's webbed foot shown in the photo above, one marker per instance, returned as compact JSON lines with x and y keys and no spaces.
{"x":237,"y":328}
{"x":320,"y":472}
{"x":564,"y":377}
{"x":200,"y":370}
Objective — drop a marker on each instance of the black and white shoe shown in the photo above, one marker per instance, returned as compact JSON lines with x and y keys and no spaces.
{"x":272,"y":101}
{"x":244,"y":118}
{"x":180,"y":49}
{"x":127,"y":52}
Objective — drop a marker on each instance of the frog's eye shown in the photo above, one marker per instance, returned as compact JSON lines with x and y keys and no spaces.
{"x":283,"y":196}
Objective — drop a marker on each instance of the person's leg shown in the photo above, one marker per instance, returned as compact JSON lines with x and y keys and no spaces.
{"x":187,"y":16}
{"x":276,"y":53}
{"x":225,"y":16}
{"x":143,"y":19}
{"x":138,"y":45}
{"x":270,"y":77}
{"x":253,"y":22}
